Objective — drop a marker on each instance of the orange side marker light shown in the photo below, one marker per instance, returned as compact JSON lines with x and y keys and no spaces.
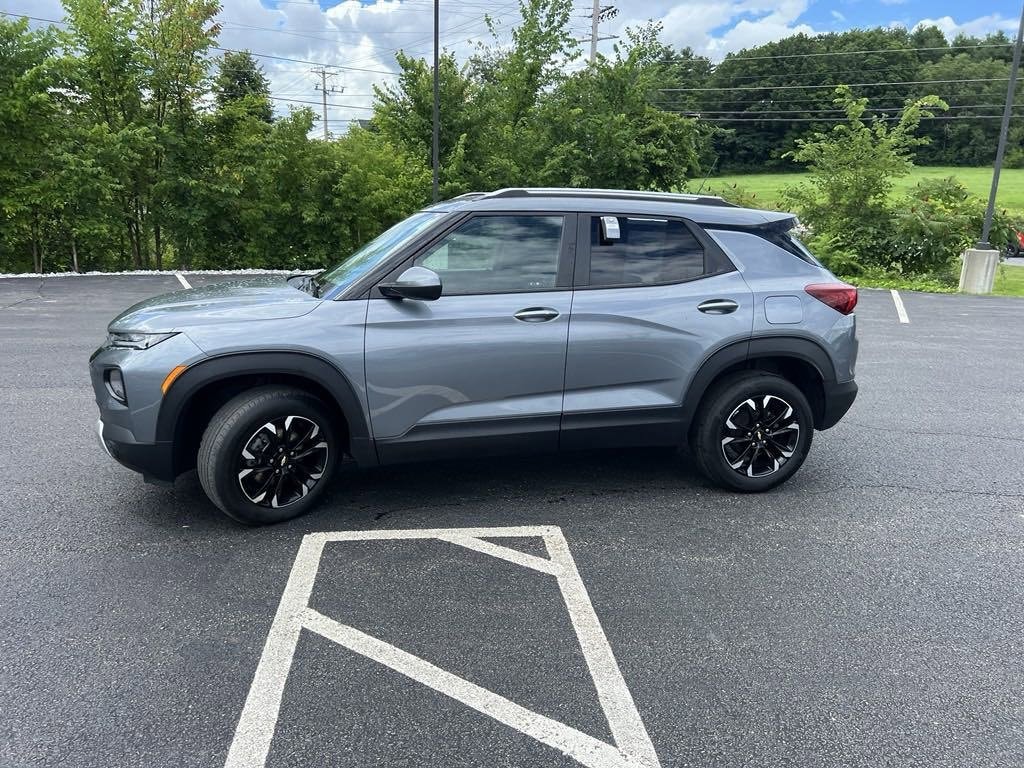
{"x":174,"y":374}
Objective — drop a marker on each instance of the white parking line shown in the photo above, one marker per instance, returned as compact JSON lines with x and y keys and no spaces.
{"x":182,"y":280}
{"x":631,"y":746}
{"x":901,"y":311}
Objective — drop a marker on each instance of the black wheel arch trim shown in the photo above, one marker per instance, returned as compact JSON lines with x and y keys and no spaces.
{"x":798,"y":347}
{"x":748,"y":350}
{"x":301,"y":364}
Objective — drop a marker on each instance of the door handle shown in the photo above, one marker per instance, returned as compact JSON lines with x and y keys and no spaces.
{"x":536,"y":314}
{"x":718,"y":306}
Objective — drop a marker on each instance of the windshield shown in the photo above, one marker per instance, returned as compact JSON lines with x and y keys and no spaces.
{"x":366,"y":258}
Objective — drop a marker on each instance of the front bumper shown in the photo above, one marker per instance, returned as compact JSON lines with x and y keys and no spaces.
{"x":99,"y":434}
{"x":128,"y":430}
{"x":154,"y":460}
{"x":839,"y":398}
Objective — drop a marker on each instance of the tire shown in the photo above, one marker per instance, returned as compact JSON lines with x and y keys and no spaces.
{"x":753,"y":460}
{"x":283,"y":440}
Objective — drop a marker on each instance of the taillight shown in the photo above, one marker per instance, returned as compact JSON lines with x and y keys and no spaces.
{"x":840,"y":296}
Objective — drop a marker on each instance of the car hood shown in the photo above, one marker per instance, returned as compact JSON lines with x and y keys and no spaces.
{"x":259,"y":298}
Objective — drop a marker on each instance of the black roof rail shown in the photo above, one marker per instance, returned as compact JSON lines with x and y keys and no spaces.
{"x":610,"y":194}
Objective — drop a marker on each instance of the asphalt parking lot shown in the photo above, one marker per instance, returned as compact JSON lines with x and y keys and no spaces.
{"x":868,"y":613}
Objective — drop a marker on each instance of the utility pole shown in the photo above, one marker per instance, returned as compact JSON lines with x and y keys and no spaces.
{"x":324,"y":90}
{"x":595,"y":20}
{"x":435,"y":153}
{"x":986,"y":229}
{"x":600,"y":13}
{"x":979,"y":269}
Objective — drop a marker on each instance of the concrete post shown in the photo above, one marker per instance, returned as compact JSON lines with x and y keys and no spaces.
{"x":978,"y":273}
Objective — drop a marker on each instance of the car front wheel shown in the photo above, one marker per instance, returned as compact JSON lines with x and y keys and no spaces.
{"x":268,"y":454}
{"x":753,"y":432}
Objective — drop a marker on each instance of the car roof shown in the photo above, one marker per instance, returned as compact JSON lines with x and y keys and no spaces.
{"x":707,"y":210}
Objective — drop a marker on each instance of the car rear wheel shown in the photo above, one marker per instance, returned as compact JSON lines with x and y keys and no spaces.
{"x":753,"y":432}
{"x":267,"y":455}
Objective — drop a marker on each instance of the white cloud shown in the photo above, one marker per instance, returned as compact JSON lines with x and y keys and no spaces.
{"x":893,"y":2}
{"x":837,"y":15}
{"x":716,"y":27}
{"x":980,"y":26}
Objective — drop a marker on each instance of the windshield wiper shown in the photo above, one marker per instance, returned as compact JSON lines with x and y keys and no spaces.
{"x":308,"y":284}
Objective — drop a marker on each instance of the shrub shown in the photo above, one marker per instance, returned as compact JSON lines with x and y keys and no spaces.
{"x":842,"y":261}
{"x":852,"y":168}
{"x":936,"y":222}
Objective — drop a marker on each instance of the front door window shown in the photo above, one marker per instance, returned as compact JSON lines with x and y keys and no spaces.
{"x":498,"y":254}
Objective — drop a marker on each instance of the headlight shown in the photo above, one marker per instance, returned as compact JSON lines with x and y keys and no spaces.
{"x":135,"y":340}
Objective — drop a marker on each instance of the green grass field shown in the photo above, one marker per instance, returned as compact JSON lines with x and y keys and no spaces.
{"x":1009,"y":280}
{"x":767,"y":186}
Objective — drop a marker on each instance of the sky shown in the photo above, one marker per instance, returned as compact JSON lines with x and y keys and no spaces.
{"x":357,"y":38}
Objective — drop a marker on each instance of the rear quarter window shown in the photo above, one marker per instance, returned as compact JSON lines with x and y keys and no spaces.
{"x":755,"y":254}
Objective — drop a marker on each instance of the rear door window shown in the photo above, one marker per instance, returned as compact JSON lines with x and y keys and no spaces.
{"x":648,"y":251}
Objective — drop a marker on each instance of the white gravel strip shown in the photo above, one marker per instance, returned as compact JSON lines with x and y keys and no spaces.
{"x":165,"y":272}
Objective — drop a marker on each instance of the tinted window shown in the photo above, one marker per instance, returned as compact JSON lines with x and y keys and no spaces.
{"x":498,"y":254}
{"x":366,"y":258}
{"x":760,"y":257}
{"x":648,"y":251}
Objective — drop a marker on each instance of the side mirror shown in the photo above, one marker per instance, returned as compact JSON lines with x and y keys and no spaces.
{"x":417,"y":283}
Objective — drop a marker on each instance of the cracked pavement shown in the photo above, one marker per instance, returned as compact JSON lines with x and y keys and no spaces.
{"x":867,"y":613}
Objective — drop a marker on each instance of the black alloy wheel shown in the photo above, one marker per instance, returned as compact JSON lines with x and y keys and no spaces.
{"x":760,"y":435}
{"x":269,"y":453}
{"x":282,"y":461}
{"x":752,"y":431}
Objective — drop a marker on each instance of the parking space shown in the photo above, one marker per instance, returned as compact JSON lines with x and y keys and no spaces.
{"x":866,"y":613}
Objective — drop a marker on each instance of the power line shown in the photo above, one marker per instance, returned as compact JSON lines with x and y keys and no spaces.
{"x":831,"y":85}
{"x":237,"y":25}
{"x":304,"y":61}
{"x":702,"y":62}
{"x":702,"y":112}
{"x":304,"y":91}
{"x":318,"y":103}
{"x":836,"y":119}
{"x":818,"y":73}
{"x":825,"y":98}
{"x":855,"y":53}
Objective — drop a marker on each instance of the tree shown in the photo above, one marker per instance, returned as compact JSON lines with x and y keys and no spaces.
{"x":388,"y":182}
{"x":851,"y":171}
{"x":967,"y":139}
{"x":241,"y":80}
{"x":403,"y":113}
{"x":107,"y":73}
{"x":601,"y":129}
{"x":175,"y":37}
{"x":28,"y":108}
{"x":769,"y":96}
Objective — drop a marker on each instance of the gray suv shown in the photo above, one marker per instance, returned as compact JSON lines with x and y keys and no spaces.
{"x":517,"y":320}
